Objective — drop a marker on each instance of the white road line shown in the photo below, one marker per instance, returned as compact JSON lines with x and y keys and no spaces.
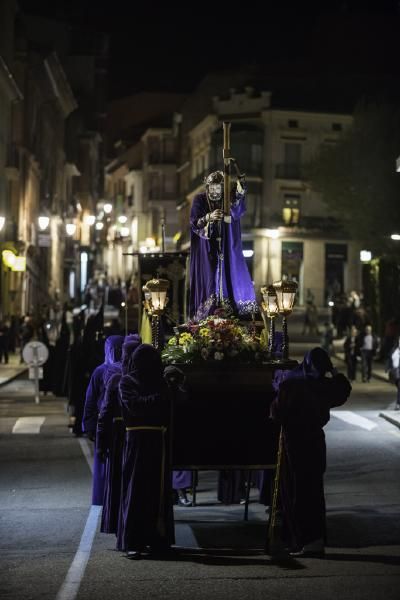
{"x":70,"y":587}
{"x":84,"y":444}
{"x":350,"y":417}
{"x":28,"y":424}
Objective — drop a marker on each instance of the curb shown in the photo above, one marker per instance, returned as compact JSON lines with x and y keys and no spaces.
{"x":12,"y":377}
{"x":393,"y":420}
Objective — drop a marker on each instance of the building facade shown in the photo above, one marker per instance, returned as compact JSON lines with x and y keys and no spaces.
{"x":286,"y":226}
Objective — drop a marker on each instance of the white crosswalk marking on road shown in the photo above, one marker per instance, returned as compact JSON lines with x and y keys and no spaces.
{"x":350,"y":417}
{"x":28,"y":424}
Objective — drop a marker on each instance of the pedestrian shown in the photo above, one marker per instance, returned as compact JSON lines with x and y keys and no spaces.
{"x":394,"y":371}
{"x":93,"y":402}
{"x":327,"y":339}
{"x":310,"y":324}
{"x":352,"y":352}
{"x":368,"y":347}
{"x":110,"y":438}
{"x":146,"y":507}
{"x":301,"y":408}
{"x":27,"y":332}
{"x":4,"y":341}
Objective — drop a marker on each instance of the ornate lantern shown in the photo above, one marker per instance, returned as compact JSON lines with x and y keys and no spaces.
{"x":157,"y":300}
{"x":285,"y":297}
{"x":271,"y":309}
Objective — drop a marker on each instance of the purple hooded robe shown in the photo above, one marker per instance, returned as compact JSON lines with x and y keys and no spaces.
{"x":146,"y":517}
{"x":238,"y":290}
{"x":110,"y":440}
{"x":94,"y":399}
{"x":304,"y":399}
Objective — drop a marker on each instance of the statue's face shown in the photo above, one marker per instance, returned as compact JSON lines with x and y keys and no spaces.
{"x":215,"y":191}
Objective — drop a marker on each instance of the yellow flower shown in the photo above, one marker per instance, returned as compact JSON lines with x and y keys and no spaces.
{"x":204,"y":332}
{"x":185,"y":338}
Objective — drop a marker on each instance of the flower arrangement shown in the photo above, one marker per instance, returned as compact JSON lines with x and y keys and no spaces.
{"x":215,"y":339}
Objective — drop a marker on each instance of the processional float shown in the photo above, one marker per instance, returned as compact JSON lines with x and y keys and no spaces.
{"x":223,"y":422}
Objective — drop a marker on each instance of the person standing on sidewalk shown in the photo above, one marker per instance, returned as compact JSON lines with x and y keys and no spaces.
{"x":352,"y":352}
{"x":394,"y":371}
{"x":368,"y":348}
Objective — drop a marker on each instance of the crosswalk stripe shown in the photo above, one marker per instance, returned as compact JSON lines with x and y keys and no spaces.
{"x":350,"y":417}
{"x":28,"y":424}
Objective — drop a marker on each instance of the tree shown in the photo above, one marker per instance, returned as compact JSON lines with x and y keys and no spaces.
{"x":357,"y":177}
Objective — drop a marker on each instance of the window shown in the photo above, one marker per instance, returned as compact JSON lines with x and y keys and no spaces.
{"x":292,"y":154}
{"x":169,"y":150}
{"x":293,"y":123}
{"x":291,"y":209}
{"x":337,"y":127}
{"x":169,"y":184}
{"x":256,"y":154}
{"x":154,"y":186}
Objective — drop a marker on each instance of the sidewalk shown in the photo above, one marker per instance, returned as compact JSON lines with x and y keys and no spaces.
{"x":11,"y":370}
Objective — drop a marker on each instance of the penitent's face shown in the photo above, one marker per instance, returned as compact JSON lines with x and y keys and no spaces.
{"x":215,"y":191}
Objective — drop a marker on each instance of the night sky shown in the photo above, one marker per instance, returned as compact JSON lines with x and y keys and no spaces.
{"x":166,"y":46}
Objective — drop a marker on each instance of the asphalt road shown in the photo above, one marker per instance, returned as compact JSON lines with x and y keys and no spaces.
{"x":45,"y":489}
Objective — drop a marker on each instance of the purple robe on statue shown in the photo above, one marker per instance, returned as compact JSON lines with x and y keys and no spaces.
{"x":206,"y":276}
{"x":94,"y":399}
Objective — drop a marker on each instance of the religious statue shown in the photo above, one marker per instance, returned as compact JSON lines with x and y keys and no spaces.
{"x":219,"y":277}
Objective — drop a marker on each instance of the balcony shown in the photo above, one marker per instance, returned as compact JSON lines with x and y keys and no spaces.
{"x":285,"y":171}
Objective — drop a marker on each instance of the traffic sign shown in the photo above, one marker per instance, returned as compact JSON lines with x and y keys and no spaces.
{"x":35,"y":353}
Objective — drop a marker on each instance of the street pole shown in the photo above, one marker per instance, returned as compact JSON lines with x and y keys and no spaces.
{"x":36,"y":373}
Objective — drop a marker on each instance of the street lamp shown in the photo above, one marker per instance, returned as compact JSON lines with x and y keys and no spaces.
{"x":43,"y":222}
{"x":285,"y":297}
{"x":89,"y":220}
{"x":157,"y":300}
{"x":270,"y":306}
{"x":70,"y":229}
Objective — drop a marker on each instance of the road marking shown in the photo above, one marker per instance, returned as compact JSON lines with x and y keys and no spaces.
{"x":84,"y":444}
{"x":28,"y":425}
{"x":350,"y":417}
{"x":70,"y":586}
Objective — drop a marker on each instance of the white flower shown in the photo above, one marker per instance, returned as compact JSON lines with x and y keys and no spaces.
{"x":219,"y":355}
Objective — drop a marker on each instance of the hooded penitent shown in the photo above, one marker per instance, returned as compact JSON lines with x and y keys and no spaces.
{"x":146,"y":510}
{"x":110,"y":440}
{"x":305,"y":396}
{"x":94,"y":399}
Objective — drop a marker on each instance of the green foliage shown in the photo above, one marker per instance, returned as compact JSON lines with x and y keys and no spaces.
{"x":358,"y":180}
